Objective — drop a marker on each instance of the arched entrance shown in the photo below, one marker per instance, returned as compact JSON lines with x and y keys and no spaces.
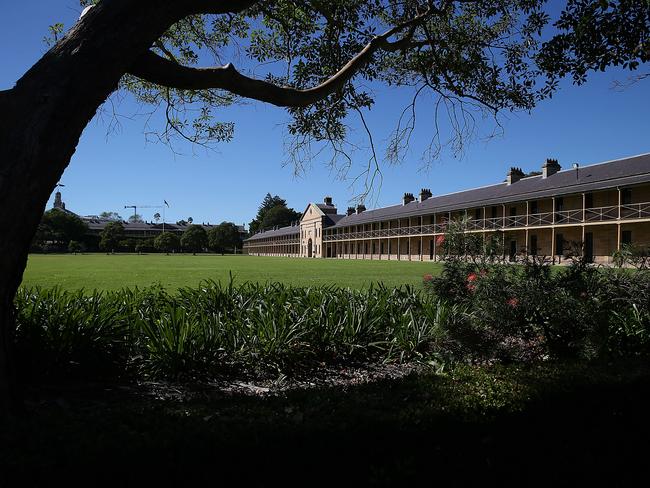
{"x":309,"y":250}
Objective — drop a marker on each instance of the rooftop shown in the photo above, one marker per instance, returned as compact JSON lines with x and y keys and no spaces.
{"x":600,"y":176}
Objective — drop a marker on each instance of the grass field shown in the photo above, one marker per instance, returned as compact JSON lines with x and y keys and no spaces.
{"x":110,"y":272}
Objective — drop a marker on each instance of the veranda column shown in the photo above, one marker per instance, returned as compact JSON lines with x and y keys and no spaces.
{"x":399,"y":232}
{"x":421,"y":224}
{"x":618,"y":224}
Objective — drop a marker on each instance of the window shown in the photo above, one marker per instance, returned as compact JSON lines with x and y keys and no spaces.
{"x":494,"y":212}
{"x":513,"y":211}
{"x":477,"y":214}
{"x":559,"y":204}
{"x":589,"y":200}
{"x":534,"y":208}
{"x":626,"y":237}
{"x":626,"y":196}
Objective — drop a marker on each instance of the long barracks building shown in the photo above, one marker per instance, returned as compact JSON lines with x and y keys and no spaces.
{"x":601,"y":206}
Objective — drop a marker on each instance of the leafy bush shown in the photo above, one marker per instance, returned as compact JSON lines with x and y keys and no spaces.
{"x":525,"y":311}
{"x":204,"y":331}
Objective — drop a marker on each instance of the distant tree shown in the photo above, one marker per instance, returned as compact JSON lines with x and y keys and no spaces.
{"x":224,"y":237}
{"x":167,"y":242}
{"x":280,"y":216}
{"x":190,"y":220}
{"x":145,"y":245}
{"x":58,"y":228}
{"x":156,"y":217}
{"x":194,"y":239}
{"x":110,"y":216}
{"x":75,"y":247}
{"x":128,"y":245}
{"x":269,"y":203}
{"x":135,"y":219}
{"x":181,"y":222}
{"x":111,"y":236}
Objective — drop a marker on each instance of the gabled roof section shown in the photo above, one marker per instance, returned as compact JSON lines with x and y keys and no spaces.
{"x":318,"y":209}
{"x":601,"y":176}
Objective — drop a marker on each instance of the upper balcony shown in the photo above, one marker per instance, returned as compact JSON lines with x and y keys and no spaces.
{"x":612,"y":213}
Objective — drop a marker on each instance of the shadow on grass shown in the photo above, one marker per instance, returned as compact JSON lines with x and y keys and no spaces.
{"x":560,"y":424}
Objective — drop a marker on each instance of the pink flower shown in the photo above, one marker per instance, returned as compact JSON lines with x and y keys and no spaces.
{"x":513,"y":302}
{"x":427,"y":278}
{"x":440,"y":240}
{"x":471,"y":287}
{"x":471,"y":277}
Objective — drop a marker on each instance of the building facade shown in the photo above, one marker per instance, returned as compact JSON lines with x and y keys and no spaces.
{"x":596,"y":208}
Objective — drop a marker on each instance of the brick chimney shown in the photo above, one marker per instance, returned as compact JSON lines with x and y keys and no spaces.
{"x":550,"y":167}
{"x":327,"y":200}
{"x":361,"y":208}
{"x":424,"y":194}
{"x":514,"y":175}
{"x":407,"y":198}
{"x":350,"y":211}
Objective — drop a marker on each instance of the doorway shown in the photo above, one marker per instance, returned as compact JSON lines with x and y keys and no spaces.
{"x":309,"y":249}
{"x":589,"y":247}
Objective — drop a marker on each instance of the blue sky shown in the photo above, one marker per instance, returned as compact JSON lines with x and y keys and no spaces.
{"x":114,"y":168}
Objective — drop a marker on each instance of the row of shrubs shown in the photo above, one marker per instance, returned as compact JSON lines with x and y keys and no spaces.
{"x":472,"y":312}
{"x":215,"y":328}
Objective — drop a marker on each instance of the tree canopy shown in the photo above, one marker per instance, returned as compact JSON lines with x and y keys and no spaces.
{"x":281,"y":215}
{"x":194,"y":239}
{"x":110,"y":216}
{"x":167,"y":242}
{"x":111,"y":236}
{"x":224,"y":237}
{"x":316,"y":58}
{"x":59,"y":227}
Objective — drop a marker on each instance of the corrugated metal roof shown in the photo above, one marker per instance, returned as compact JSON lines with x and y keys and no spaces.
{"x":622,"y":172}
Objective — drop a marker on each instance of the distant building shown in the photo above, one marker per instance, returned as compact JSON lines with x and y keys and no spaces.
{"x":135,"y":230}
{"x":601,"y":207}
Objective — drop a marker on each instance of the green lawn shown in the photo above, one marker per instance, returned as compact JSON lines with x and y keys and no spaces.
{"x":110,"y":272}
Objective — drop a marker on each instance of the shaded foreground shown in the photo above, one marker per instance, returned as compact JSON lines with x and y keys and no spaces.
{"x":568,"y":423}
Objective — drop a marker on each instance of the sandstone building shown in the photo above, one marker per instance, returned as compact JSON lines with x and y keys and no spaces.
{"x":601,"y":206}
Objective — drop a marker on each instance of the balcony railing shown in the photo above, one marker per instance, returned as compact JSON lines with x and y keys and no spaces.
{"x":560,"y":217}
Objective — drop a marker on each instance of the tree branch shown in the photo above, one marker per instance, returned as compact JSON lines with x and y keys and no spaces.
{"x":193,"y":7}
{"x":158,"y":70}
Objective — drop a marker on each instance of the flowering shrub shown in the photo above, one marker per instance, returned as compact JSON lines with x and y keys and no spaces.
{"x":525,"y":311}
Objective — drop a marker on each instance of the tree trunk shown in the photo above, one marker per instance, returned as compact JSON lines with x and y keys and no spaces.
{"x":41,"y":121}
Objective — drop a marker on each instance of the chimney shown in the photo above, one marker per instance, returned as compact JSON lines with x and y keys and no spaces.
{"x":514,"y":175}
{"x":550,"y":167}
{"x":361,"y":208}
{"x":424,"y":194}
{"x":327,"y":200}
{"x":407,"y":198}
{"x":350,"y":211}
